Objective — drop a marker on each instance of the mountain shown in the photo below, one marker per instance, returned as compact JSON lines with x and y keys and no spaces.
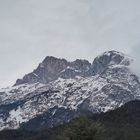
{"x":120,"y":124}
{"x":58,"y":91}
{"x":53,"y":68}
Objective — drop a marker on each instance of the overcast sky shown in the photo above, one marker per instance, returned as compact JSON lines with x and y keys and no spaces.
{"x":30,"y":30}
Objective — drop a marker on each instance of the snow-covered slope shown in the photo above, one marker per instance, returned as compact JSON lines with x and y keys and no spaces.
{"x":108,"y":85}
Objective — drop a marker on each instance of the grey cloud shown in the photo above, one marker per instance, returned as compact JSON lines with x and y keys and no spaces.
{"x":32,"y":29}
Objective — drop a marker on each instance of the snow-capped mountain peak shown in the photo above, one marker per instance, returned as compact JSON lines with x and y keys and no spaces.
{"x":110,"y":58}
{"x":52,"y":68}
{"x":58,"y":91}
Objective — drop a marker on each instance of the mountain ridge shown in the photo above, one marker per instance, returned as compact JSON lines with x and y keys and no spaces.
{"x":104,"y":85}
{"x":53,"y":68}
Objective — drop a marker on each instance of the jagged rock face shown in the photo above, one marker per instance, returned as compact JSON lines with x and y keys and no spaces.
{"x":108,"y":59}
{"x":78,"y":86}
{"x":53,"y":68}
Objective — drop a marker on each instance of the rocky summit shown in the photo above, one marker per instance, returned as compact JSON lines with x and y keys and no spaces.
{"x":58,"y":91}
{"x":53,"y":68}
